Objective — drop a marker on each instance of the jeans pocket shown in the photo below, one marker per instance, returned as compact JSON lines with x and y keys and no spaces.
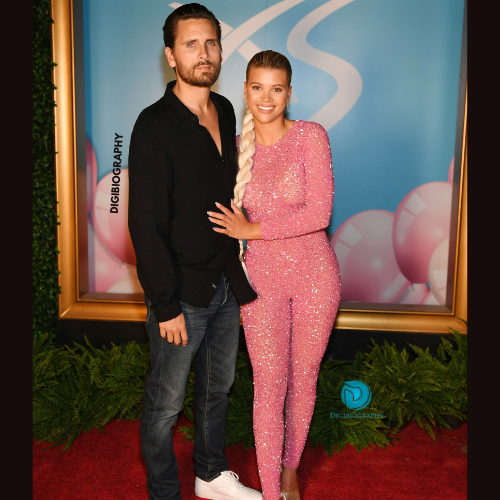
{"x":187,"y":308}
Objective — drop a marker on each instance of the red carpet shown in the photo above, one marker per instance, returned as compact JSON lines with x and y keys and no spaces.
{"x":109,"y":466}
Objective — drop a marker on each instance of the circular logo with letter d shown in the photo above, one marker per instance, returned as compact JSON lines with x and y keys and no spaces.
{"x":356,"y":395}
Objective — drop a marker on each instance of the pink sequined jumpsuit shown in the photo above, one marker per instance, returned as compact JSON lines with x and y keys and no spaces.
{"x":295,"y":273}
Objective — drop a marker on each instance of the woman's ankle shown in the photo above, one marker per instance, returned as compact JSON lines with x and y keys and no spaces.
{"x":289,"y":479}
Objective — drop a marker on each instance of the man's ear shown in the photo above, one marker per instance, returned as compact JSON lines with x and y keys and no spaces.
{"x":170,"y":57}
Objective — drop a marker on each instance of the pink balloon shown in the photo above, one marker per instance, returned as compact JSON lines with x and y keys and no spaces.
{"x":110,"y":215}
{"x":438,"y":271}
{"x":104,"y":268}
{"x":450,"y":170}
{"x":421,"y":222}
{"x":91,"y":174}
{"x":363,"y":245}
{"x":414,"y":294}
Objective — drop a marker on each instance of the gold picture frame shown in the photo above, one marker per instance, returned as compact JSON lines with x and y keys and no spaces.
{"x":110,"y":307}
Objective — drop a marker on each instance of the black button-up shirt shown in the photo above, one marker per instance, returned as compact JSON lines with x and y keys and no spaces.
{"x":176,"y":174}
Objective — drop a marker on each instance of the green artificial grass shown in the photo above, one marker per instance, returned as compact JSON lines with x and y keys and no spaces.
{"x":45,"y":271}
{"x":83,"y":387}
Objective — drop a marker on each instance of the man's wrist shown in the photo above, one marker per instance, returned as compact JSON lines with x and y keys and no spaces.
{"x":167,"y":313}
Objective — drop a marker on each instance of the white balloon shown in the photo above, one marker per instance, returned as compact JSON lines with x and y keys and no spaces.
{"x":414,"y":294}
{"x":438,"y":271}
{"x":430,"y":299}
{"x":129,"y":284}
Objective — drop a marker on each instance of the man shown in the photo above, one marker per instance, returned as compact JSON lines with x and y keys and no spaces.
{"x":182,"y":161}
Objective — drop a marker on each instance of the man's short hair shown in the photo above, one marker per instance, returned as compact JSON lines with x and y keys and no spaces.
{"x":187,"y":11}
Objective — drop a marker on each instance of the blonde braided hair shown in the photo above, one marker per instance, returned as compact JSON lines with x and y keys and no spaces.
{"x":245,"y":162}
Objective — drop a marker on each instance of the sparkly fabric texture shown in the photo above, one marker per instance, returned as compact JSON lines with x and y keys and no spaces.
{"x":295,"y":273}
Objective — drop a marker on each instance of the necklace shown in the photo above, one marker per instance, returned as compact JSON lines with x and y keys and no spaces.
{"x":275,"y":142}
{"x":281,"y":136}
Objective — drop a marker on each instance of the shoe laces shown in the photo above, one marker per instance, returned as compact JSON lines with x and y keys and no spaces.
{"x":234,"y":477}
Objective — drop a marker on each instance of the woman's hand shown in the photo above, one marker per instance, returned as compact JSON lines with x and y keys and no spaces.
{"x":234,"y":223}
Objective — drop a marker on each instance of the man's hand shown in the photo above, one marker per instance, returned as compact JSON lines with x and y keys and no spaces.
{"x":174,"y":330}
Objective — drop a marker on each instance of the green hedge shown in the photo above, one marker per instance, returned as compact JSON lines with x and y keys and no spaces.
{"x":76,"y":389}
{"x":45,"y":272}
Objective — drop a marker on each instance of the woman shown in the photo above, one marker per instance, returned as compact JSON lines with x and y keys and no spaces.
{"x":287,"y":182}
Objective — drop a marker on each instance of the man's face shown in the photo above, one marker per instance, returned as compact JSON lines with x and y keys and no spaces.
{"x":197,"y":53}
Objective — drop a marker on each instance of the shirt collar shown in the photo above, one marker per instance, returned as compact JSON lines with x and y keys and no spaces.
{"x":182,"y":111}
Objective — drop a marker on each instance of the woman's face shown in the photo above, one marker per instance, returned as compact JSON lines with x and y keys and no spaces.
{"x":267,"y":93}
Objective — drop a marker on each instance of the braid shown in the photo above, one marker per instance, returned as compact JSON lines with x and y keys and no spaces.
{"x":245,"y":162}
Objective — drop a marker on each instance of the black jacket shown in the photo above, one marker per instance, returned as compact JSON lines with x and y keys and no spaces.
{"x":176,"y":175}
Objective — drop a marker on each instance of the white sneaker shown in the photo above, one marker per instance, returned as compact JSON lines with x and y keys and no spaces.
{"x":225,"y":487}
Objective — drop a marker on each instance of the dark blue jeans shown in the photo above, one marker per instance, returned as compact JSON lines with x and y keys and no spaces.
{"x":213,"y":335}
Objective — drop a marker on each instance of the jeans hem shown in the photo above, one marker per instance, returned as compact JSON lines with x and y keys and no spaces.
{"x":214,"y":475}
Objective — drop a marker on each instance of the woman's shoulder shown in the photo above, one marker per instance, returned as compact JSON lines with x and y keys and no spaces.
{"x":310,"y":130}
{"x":310,"y":127}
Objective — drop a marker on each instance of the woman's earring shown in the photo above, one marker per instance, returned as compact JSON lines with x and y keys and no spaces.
{"x":287,"y":106}
{"x":246,"y":104}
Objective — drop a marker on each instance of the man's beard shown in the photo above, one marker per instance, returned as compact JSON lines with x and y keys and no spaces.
{"x":204,"y":79}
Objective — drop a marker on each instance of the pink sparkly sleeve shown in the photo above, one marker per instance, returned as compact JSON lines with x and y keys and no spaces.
{"x":316,"y":212}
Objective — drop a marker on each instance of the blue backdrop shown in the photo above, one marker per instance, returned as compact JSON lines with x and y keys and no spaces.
{"x":382,"y":77}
